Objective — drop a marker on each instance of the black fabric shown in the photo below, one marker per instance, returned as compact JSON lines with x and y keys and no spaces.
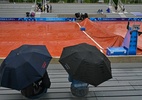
{"x":128,"y":25}
{"x":46,"y":81}
{"x":84,"y":62}
{"x":24,"y":65}
{"x":28,"y":91}
{"x":77,"y":15}
{"x":139,"y":33}
{"x":27,"y":14}
{"x":37,"y":87}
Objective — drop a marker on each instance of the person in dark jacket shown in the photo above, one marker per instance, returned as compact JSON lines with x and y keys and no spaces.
{"x":47,"y":8}
{"x":116,"y":8}
{"x":38,"y":88}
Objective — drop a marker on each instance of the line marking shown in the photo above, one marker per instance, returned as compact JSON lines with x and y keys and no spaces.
{"x":92,"y":39}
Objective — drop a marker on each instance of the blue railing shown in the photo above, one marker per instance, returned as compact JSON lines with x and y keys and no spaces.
{"x":67,"y":19}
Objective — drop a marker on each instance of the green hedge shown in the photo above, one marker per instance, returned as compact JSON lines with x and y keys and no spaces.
{"x":116,"y":2}
{"x":55,"y":1}
{"x":19,"y":1}
{"x":73,"y":1}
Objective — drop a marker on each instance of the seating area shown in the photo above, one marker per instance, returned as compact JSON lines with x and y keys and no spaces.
{"x":125,"y":84}
{"x":14,"y":10}
{"x":8,"y":9}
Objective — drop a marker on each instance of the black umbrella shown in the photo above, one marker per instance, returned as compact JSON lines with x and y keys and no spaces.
{"x":86,"y":63}
{"x":24,"y":66}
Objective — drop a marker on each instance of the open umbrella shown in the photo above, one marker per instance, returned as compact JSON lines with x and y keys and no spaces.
{"x":24,"y":66}
{"x":86,"y":63}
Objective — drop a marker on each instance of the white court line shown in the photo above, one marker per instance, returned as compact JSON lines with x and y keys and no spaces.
{"x":101,"y":48}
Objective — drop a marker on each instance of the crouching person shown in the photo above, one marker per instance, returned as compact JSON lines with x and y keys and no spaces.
{"x":32,"y":14}
{"x":38,"y":88}
{"x":78,"y":88}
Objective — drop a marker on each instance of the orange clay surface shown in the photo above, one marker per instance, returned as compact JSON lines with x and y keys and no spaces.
{"x":56,"y":35}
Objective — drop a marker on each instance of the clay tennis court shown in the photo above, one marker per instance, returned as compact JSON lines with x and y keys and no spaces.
{"x":56,"y":35}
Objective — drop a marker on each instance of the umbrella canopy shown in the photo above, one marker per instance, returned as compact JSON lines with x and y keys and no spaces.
{"x":24,"y":66}
{"x":86,"y":63}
